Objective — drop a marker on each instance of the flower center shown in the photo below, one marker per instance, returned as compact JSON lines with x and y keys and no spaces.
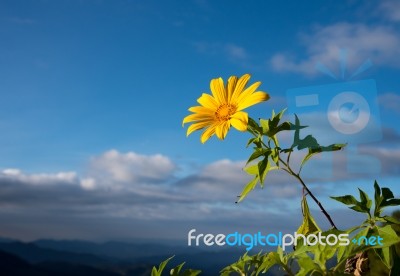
{"x":224,"y":112}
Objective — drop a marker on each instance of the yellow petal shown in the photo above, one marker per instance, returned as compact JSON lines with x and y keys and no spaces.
{"x":218,"y":90}
{"x":197,"y":126}
{"x":253,"y":99}
{"x":231,"y":87}
{"x":196,"y":117}
{"x":208,"y":101}
{"x":241,"y":83}
{"x":246,"y":93}
{"x":207,"y":133}
{"x":239,"y":120}
{"x":202,"y":110}
{"x":222,"y":129}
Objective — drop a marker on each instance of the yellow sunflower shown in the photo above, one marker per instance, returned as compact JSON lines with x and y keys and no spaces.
{"x":224,"y":108}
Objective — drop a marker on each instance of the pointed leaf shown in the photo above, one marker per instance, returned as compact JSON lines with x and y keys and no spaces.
{"x":263,"y":168}
{"x":257,"y":153}
{"x":158,"y":272}
{"x":387,"y":193}
{"x":365,"y":201}
{"x":347,"y":199}
{"x":271,"y":259}
{"x":252,"y":170}
{"x":390,"y":219}
{"x":378,"y":199}
{"x":265,"y":126}
{"x":391,"y":202}
{"x":309,"y":225}
{"x":249,"y":187}
{"x":175,"y":271}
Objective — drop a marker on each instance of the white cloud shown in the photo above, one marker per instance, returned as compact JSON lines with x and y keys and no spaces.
{"x":377,"y":43}
{"x":206,"y":197}
{"x":388,"y":157}
{"x":224,"y":180}
{"x":129,"y":167}
{"x":40,"y":179}
{"x":88,"y":183}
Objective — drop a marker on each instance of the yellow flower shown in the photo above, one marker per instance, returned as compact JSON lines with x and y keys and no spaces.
{"x":224,"y":108}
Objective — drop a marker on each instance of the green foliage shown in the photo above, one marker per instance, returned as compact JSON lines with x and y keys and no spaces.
{"x":376,"y":239}
{"x":309,"y":225}
{"x":268,"y":154}
{"x":176,"y":271}
{"x":312,"y":260}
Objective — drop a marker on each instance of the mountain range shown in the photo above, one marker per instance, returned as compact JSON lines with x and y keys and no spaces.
{"x":71,"y":258}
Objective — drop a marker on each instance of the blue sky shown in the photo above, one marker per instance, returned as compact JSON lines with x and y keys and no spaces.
{"x":94,"y":92}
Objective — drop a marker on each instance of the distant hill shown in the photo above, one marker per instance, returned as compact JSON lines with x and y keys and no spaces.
{"x":35,"y":254}
{"x":15,"y":266}
{"x":76,"y":258}
{"x":120,"y":250}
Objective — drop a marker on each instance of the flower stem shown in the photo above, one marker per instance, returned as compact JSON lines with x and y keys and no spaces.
{"x":289,"y":170}
{"x":297,"y":176}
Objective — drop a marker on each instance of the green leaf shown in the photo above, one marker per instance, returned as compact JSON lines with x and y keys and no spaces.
{"x":158,"y":272}
{"x":347,"y":199}
{"x":391,"y":202}
{"x":376,"y":261}
{"x":388,"y":235}
{"x":384,"y":256}
{"x":257,"y":153}
{"x":279,"y":250}
{"x":252,"y":170}
{"x":275,"y":139}
{"x":154,"y":272}
{"x":249,"y":187}
{"x":359,"y":208}
{"x":307,"y":265}
{"x":387,"y":193}
{"x":250,"y":141}
{"x":253,"y":126}
{"x":378,"y":199}
{"x":308,"y":142}
{"x":362,"y":206}
{"x":366,"y":203}
{"x":341,"y":249}
{"x":175,"y":271}
{"x":275,"y":156}
{"x":284,"y":126}
{"x":307,"y":157}
{"x":265,"y":126}
{"x":271,"y":259}
{"x":390,"y":219}
{"x":318,"y":149}
{"x":263,"y":168}
{"x":387,"y":199}
{"x":309,"y":225}
{"x":345,"y":252}
{"x":296,"y":127}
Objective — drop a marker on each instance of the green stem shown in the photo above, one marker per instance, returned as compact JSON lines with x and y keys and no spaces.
{"x":289,"y":170}
{"x":298,"y":177}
